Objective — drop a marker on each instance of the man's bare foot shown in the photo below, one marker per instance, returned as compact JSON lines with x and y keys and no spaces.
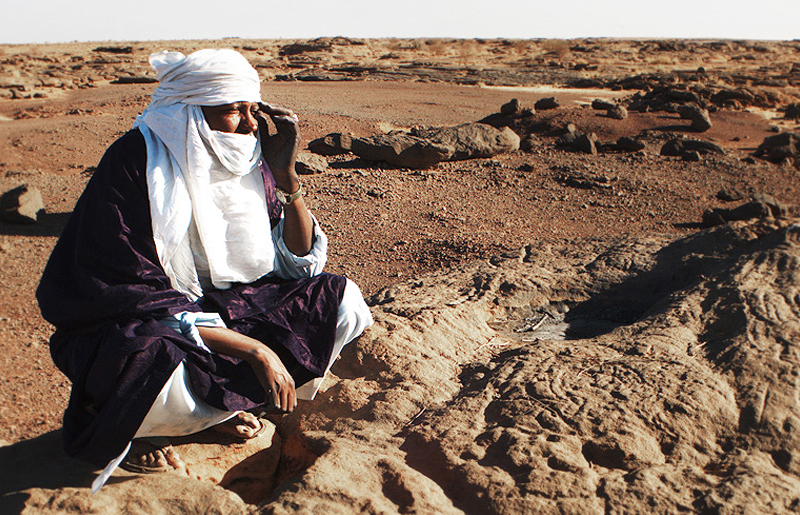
{"x":150,"y":455}
{"x":244,"y":425}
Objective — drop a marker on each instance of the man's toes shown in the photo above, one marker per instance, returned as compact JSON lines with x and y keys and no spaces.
{"x":173,"y":459}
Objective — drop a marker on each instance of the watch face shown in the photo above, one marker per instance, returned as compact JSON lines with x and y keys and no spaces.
{"x":281,"y":196}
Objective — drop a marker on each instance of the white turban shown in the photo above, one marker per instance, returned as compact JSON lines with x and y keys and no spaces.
{"x":183,"y":154}
{"x":206,"y":77}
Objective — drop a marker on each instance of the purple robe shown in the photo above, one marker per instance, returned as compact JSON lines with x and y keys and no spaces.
{"x":105,"y":291}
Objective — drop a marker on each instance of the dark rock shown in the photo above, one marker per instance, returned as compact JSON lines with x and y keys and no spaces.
{"x":404,"y":151}
{"x":471,"y":140}
{"x":691,"y":156}
{"x":332,"y":144}
{"x":617,"y":113}
{"x":730,"y":194}
{"x":135,"y":79}
{"x":512,"y":107}
{"x":678,"y":146}
{"x":630,"y":144}
{"x":316,"y":45}
{"x":762,"y":206}
{"x":114,"y":49}
{"x":740,"y":95}
{"x":310,"y":164}
{"x":585,"y":182}
{"x":586,"y":143}
{"x":528,"y":143}
{"x":599,"y":104}
{"x":585,"y":83}
{"x":699,"y":117}
{"x":546,"y":103}
{"x":683,"y":96}
{"x":21,"y":205}
{"x":792,"y":111}
{"x":568,"y":139}
{"x":777,"y":208}
{"x":782,"y":146}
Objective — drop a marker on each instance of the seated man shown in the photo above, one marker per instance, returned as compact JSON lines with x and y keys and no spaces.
{"x":187,"y":285}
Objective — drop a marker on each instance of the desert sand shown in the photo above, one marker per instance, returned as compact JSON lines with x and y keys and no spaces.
{"x":557,"y":330}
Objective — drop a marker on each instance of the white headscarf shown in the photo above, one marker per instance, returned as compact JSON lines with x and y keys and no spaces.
{"x":211,"y":177}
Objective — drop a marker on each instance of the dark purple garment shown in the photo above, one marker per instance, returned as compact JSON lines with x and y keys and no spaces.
{"x":105,"y":291}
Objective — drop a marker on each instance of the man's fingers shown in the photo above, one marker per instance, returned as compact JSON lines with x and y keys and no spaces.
{"x":279,"y":115}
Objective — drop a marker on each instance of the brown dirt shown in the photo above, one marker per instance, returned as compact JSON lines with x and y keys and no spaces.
{"x":387,"y":225}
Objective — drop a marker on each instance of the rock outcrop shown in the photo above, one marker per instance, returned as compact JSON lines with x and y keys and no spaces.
{"x":651,"y":375}
{"x":423,"y":147}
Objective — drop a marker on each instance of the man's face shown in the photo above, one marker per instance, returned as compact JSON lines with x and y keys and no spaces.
{"x":238,"y":117}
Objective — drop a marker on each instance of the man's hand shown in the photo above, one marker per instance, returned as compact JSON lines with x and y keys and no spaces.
{"x":280,"y":149}
{"x":271,"y":373}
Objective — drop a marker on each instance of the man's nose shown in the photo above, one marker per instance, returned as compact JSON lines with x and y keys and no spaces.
{"x":249,"y":122}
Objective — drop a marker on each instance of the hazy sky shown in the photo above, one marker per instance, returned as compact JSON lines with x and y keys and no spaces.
{"x":32,"y":21}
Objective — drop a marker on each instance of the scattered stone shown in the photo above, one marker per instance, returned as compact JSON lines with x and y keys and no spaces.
{"x":585,"y":182}
{"x":546,"y":103}
{"x":586,"y":143}
{"x":730,"y":194}
{"x":699,"y":117}
{"x":762,"y":205}
{"x":691,"y":156}
{"x":310,"y":164}
{"x":617,"y":113}
{"x":629,"y":144}
{"x":528,"y":143}
{"x":21,"y":205}
{"x":598,"y":104}
{"x":332,"y":144}
{"x":511,"y":108}
{"x":679,"y":146}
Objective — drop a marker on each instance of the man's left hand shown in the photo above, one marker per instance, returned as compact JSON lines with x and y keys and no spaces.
{"x":280,"y":149}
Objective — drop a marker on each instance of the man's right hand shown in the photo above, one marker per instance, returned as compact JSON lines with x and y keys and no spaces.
{"x":277,"y":382}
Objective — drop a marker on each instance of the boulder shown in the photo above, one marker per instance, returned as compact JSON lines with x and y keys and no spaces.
{"x":546,"y":103}
{"x":310,"y":164}
{"x":21,"y":205}
{"x":586,"y":143}
{"x":332,"y":144}
{"x":630,"y":144}
{"x":401,"y":150}
{"x":472,"y":140}
{"x":528,"y":143}
{"x":691,"y":156}
{"x":617,"y":113}
{"x":510,"y":108}
{"x":699,"y":117}
{"x":776,"y":149}
{"x":598,"y":104}
{"x":679,"y":146}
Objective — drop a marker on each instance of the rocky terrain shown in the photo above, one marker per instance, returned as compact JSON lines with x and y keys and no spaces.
{"x":587,"y":303}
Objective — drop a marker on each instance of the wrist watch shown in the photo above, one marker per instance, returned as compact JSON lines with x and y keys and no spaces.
{"x":287,"y":198}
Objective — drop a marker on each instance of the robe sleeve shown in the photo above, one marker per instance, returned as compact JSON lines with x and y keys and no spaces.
{"x":104,"y":267}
